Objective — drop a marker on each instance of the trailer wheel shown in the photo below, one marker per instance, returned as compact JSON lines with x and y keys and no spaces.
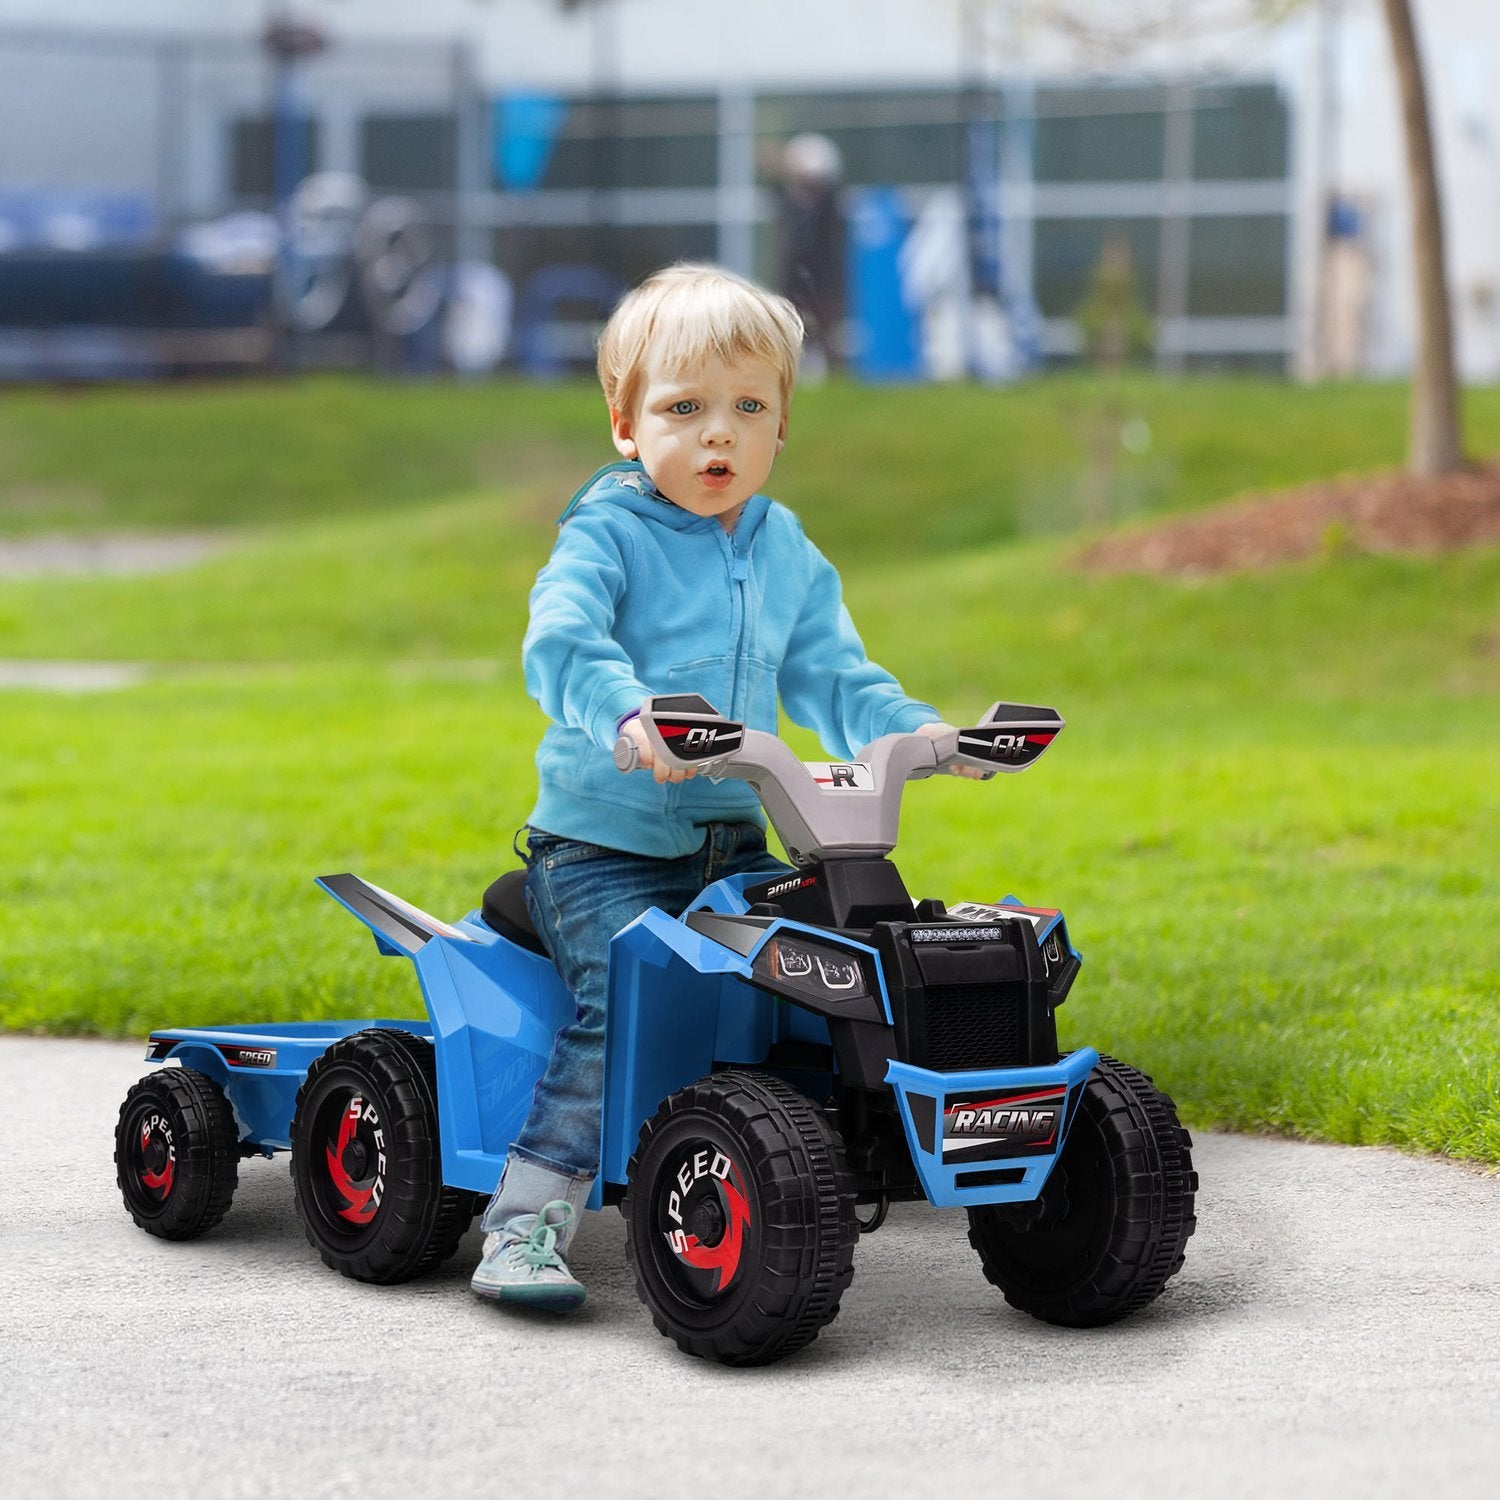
{"x":1110,"y":1227}
{"x":739,"y":1219}
{"x":176,"y":1153}
{"x":366,"y":1164}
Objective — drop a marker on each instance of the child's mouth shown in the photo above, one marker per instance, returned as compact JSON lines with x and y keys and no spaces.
{"x":716,"y":475}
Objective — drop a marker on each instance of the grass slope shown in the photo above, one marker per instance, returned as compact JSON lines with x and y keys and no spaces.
{"x":1272,"y":821}
{"x":922,"y":468}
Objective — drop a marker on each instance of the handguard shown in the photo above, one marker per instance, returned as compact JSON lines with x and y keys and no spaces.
{"x":686,"y":732}
{"x":1011,"y":737}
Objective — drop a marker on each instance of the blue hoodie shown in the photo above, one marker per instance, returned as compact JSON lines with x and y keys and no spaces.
{"x":642,"y":597}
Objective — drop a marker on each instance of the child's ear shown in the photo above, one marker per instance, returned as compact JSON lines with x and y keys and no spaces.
{"x":620,"y":426}
{"x":781,"y":436}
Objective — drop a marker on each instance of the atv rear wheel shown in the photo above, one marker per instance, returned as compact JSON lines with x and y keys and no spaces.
{"x":176,"y":1153}
{"x":1110,"y":1227}
{"x":366,"y":1164}
{"x":739,"y":1219}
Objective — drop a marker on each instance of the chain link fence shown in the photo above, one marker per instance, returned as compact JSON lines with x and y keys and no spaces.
{"x":172,"y":203}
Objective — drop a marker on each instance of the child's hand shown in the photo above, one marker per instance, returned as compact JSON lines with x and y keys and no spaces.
{"x":936,"y":731}
{"x":633,"y":730}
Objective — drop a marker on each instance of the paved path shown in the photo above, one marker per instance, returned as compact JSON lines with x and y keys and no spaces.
{"x":71,"y":676}
{"x":111,"y":555}
{"x":1336,"y":1332}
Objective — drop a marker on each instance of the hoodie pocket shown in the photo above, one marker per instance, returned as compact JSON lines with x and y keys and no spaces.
{"x":713,"y":677}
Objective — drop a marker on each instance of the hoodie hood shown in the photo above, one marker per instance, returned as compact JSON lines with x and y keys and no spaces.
{"x":627,"y":484}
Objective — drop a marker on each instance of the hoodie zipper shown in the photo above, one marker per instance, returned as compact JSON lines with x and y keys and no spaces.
{"x":739,"y":572}
{"x":738,"y":566}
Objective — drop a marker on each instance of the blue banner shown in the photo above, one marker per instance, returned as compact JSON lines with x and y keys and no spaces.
{"x":885,"y":337}
{"x":524,"y":129}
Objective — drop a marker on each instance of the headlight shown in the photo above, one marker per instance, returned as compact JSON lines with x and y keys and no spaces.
{"x":817,"y":970}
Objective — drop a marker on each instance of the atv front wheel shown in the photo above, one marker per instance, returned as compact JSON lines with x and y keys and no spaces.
{"x":366,"y":1166}
{"x":176,"y":1153}
{"x":1110,"y":1226}
{"x":739,"y":1219}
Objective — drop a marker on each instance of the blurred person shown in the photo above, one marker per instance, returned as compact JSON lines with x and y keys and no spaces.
{"x":814,"y":246}
{"x":1348,"y":277}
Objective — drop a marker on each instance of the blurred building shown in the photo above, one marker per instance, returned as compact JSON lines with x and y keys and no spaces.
{"x":1255,"y":174}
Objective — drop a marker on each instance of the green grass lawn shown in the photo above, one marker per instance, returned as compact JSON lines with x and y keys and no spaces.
{"x":922,"y":468}
{"x":1273,"y":820}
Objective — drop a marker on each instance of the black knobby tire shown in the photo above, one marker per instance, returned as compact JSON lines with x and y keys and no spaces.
{"x":176,"y":1153}
{"x":1112,"y":1223}
{"x":366,"y":1163}
{"x":739,"y":1219}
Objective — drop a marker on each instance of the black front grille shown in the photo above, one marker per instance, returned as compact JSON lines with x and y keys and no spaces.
{"x":972,"y":1026}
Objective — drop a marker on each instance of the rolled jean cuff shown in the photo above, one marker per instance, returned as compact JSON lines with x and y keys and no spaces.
{"x":526,"y":1184}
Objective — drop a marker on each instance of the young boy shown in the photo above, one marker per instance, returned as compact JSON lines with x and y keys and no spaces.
{"x":671,"y":574}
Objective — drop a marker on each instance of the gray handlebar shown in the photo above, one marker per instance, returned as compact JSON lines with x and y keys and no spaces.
{"x":855,"y":806}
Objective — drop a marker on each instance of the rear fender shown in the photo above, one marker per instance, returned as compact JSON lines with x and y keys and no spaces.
{"x":495,"y":1008}
{"x":399,"y":927}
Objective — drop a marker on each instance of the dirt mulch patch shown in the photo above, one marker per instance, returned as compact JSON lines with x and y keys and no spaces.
{"x":1394,"y":512}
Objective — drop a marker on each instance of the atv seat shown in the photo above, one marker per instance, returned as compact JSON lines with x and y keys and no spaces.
{"x":504,"y":909}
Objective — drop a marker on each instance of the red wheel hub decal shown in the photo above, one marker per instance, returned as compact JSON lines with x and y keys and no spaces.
{"x":158,"y":1182}
{"x":723,"y":1256}
{"x":363,"y":1202}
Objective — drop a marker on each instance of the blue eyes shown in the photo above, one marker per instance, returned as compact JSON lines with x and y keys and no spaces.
{"x":750,"y":405}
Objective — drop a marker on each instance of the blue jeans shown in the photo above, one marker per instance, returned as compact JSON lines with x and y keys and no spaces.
{"x":579,"y":896}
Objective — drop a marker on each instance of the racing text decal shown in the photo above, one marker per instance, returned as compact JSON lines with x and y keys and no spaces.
{"x":998,"y":1123}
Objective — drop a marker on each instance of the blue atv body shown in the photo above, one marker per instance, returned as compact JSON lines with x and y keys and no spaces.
{"x":894,"y":1049}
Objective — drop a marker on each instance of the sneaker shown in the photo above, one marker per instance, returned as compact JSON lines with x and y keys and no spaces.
{"x":521,"y":1263}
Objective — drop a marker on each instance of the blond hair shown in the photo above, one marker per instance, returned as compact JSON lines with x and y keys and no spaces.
{"x":687,"y":313}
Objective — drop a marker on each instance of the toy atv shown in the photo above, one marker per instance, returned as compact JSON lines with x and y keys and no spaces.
{"x":782,"y":1058}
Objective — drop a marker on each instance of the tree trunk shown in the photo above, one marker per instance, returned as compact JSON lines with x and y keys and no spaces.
{"x":1436,"y":443}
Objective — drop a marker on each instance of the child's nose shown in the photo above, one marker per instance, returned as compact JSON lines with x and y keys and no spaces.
{"x":718,"y":430}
